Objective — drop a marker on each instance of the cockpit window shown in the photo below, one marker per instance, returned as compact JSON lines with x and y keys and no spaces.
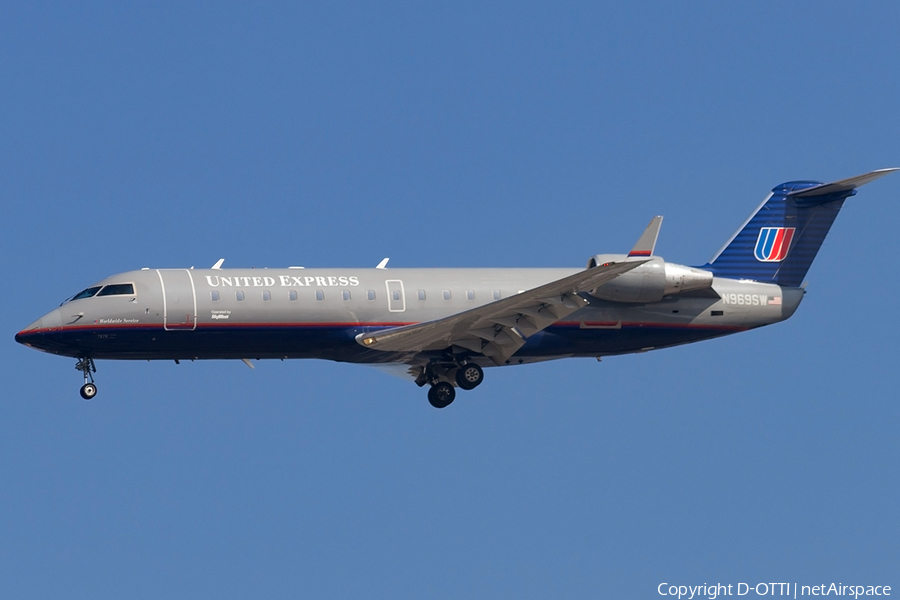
{"x":88,"y":293}
{"x":117,"y":289}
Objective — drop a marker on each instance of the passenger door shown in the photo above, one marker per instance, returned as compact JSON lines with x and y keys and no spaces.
{"x":179,"y":299}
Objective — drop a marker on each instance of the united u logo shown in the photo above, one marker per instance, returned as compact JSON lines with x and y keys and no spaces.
{"x":773,"y":243}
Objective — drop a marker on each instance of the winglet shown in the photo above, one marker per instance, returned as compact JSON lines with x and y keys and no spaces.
{"x":218,"y":264}
{"x":647,"y":241}
{"x":383,"y":264}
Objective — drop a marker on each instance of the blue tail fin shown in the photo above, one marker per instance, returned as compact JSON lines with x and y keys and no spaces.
{"x":780,"y":240}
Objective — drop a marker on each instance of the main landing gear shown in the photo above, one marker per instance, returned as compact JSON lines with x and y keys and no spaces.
{"x":468,"y":376}
{"x":441,"y":394}
{"x":87,"y":367}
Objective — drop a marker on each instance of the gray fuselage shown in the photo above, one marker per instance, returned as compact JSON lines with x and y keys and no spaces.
{"x":317,"y":313}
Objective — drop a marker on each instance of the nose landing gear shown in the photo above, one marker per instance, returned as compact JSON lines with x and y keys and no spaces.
{"x":87,"y":367}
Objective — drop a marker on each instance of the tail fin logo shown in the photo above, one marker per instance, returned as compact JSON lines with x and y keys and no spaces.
{"x":773,"y":243}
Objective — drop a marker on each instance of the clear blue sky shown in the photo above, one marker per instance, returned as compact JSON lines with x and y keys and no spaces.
{"x":480,"y":134}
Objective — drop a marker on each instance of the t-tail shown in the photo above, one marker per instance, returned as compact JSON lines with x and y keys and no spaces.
{"x":779,"y":241}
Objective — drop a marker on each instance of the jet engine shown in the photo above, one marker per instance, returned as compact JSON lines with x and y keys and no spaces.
{"x":650,"y":281}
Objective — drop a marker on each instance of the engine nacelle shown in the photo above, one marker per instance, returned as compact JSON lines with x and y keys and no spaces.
{"x":650,"y":281}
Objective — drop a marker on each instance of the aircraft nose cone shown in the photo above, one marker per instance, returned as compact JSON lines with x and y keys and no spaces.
{"x":51,"y":320}
{"x":29,"y":332}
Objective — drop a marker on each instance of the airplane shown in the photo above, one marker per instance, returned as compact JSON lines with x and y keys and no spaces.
{"x":445,"y":326}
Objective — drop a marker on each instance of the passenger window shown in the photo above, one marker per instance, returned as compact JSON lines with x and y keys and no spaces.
{"x":239,"y":295}
{"x":370,"y":294}
{"x":293,"y":295}
{"x":267,"y":295}
{"x":446,"y":294}
{"x":421,"y":295}
{"x":496,"y":294}
{"x":470,"y":294}
{"x":117,"y":289}
{"x":86,"y":293}
{"x":214,"y":295}
{"x":320,"y":295}
{"x":345,"y":295}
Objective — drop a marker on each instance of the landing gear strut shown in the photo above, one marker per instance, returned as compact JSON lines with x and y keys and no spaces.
{"x":87,"y":367}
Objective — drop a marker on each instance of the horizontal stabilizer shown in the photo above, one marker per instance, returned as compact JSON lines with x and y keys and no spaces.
{"x":844,"y":185}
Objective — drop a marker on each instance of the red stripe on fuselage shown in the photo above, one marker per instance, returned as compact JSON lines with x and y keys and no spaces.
{"x":159,"y":327}
{"x":657,"y":325}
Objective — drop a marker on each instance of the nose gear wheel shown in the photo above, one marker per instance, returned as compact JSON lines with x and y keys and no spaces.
{"x":88,"y":368}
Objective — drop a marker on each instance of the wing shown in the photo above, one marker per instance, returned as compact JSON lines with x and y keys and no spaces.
{"x":500,"y":328}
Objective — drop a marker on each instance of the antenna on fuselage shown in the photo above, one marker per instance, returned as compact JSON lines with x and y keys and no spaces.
{"x":383,"y":264}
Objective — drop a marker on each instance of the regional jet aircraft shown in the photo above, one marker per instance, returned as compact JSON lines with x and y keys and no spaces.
{"x":446,"y":325}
